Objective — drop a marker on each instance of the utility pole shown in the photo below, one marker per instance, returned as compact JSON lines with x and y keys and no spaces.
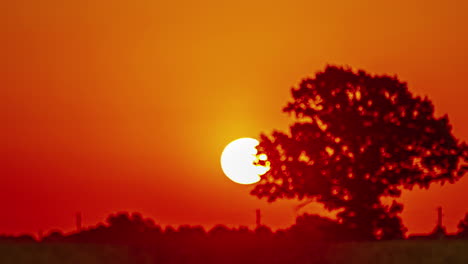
{"x":439,"y":216}
{"x":258,"y":218}
{"x":439,"y":231}
{"x":40,"y":235}
{"x":78,"y":222}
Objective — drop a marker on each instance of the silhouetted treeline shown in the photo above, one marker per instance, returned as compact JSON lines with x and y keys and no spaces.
{"x":307,"y":239}
{"x":217,"y":244}
{"x":220,"y":244}
{"x":17,"y":239}
{"x":134,"y":229}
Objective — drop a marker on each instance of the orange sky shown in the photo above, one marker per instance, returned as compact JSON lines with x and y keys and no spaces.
{"x":127,"y":105}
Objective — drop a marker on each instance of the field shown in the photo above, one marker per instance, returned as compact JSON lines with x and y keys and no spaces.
{"x":22,"y":253}
{"x":401,"y":252}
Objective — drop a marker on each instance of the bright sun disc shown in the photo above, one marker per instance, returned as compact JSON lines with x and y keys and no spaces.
{"x":237,"y":161}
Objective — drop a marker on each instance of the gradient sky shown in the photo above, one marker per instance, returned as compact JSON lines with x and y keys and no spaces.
{"x":127,"y":105}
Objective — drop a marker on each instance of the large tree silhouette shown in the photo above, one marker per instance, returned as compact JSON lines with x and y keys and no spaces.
{"x":356,"y":139}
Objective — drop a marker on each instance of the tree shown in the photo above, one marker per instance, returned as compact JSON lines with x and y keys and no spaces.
{"x":356,"y":139}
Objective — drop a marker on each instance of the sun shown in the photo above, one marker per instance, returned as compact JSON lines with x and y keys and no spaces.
{"x":237,"y":161}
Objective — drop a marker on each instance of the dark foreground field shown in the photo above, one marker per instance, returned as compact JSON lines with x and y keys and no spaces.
{"x":401,"y":252}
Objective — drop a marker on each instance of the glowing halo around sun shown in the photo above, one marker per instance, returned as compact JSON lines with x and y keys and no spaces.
{"x":237,"y":161}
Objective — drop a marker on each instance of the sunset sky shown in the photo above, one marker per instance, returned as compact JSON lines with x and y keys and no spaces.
{"x":127,"y":105}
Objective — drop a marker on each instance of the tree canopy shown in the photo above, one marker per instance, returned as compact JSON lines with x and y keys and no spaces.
{"x":358,"y":138}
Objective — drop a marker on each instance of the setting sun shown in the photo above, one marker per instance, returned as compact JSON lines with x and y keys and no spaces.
{"x":237,"y":161}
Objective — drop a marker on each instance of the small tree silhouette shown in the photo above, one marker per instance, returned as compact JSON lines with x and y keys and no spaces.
{"x":463,"y":227}
{"x":313,"y":228}
{"x":356,"y":139}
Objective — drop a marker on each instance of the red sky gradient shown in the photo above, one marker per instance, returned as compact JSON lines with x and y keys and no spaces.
{"x":127,"y":105}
